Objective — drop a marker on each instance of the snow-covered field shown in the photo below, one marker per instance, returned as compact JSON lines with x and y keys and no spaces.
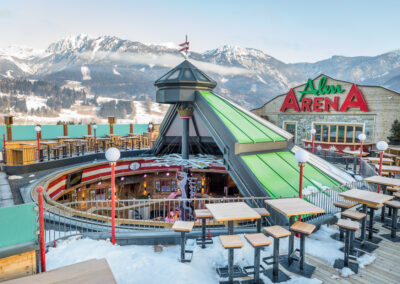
{"x":149,"y":264}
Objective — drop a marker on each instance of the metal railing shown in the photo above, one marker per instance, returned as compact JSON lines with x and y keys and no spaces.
{"x":85,"y":217}
{"x":347,"y":162}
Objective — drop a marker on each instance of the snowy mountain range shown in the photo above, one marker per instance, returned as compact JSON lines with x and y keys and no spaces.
{"x":108,"y":66}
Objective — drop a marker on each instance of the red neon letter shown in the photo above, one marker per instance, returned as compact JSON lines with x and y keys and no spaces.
{"x":305,"y":104}
{"x":318,"y":104}
{"x":334,"y":104}
{"x":359,"y":101}
{"x":290,"y":102}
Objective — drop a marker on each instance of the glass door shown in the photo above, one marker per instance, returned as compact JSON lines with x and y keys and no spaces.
{"x":291,"y":128}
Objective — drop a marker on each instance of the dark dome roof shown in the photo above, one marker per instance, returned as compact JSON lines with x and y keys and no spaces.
{"x":186,"y":74}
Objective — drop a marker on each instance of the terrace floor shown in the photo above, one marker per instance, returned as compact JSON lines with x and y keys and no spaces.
{"x":384,"y":269}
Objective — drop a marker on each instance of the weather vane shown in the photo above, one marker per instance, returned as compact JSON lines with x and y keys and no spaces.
{"x":185,"y":47}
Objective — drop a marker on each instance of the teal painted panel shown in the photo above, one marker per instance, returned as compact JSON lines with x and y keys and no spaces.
{"x":2,"y":131}
{"x":23,"y":132}
{"x":52,"y":131}
{"x":18,"y":224}
{"x":121,"y":129}
{"x":77,"y":131}
{"x":140,"y":128}
{"x":102,"y":130}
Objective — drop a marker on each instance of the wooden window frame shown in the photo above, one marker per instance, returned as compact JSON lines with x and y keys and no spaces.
{"x":337,"y":131}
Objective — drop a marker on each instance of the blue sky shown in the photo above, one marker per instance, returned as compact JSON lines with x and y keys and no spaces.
{"x":291,"y":31}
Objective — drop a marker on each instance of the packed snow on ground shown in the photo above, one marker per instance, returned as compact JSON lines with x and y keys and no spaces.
{"x":346,"y":272}
{"x":159,"y":264}
{"x":141,"y":264}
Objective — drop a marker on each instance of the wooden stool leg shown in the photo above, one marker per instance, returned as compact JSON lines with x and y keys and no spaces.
{"x":256,"y":264}
{"x":394,"y":223}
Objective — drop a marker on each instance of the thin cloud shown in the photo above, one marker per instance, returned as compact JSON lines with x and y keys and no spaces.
{"x":165,"y":60}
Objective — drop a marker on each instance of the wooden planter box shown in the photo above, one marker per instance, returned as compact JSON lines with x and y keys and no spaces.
{"x":17,"y":266}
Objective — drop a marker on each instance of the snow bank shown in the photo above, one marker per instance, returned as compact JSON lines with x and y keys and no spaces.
{"x":14,"y":177}
{"x":159,"y":264}
{"x":142,"y":264}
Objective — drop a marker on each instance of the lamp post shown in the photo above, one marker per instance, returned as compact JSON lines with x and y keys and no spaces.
{"x":38,"y":129}
{"x":112,"y":155}
{"x":361,"y":137}
{"x":95,"y":139}
{"x":313,"y":131}
{"x":151,"y":126}
{"x":382,"y":146}
{"x":301,"y":157}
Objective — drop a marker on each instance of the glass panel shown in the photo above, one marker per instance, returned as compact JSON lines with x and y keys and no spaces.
{"x":188,"y":75}
{"x":349,"y":134}
{"x":165,"y":185}
{"x":291,"y":128}
{"x":341,"y":134}
{"x":333,"y":133}
{"x":175,"y":75}
{"x":318,"y":133}
{"x":200,"y":76}
{"x":325,"y":133}
{"x":359,"y":130}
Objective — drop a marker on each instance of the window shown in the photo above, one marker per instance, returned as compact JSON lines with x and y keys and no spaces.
{"x":340,"y":133}
{"x":291,"y":128}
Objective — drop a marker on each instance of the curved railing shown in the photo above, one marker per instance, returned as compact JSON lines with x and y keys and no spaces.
{"x":86,"y":217}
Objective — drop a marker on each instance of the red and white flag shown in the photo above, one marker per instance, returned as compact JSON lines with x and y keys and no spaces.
{"x":185,"y":46}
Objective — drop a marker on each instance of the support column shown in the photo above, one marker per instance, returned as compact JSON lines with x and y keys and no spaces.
{"x":185,"y":114}
{"x":8,"y":121}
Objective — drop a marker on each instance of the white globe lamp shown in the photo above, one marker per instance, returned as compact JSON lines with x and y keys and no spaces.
{"x":94,"y":126}
{"x":38,"y":128}
{"x":301,"y":156}
{"x":362,"y":137}
{"x":381,"y":145}
{"x":113,"y":154}
{"x":313,"y":131}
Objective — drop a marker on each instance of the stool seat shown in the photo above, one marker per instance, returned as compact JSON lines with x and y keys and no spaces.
{"x":303,"y":228}
{"x":277,"y":231}
{"x":393,"y":203}
{"x":348,"y":224}
{"x":394,"y":189}
{"x":343,"y":204}
{"x":258,"y":239}
{"x":262,"y":211}
{"x":183,"y":226}
{"x":231,"y":241}
{"x":397,"y":194}
{"x":203,"y":213}
{"x":354,"y":214}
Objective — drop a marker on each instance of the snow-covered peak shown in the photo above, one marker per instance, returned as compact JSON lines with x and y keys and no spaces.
{"x":236,"y":51}
{"x":69,"y":43}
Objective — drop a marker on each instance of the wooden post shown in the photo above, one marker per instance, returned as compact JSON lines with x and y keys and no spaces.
{"x":89,"y":129}
{"x":111,"y":121}
{"x":65,"y":127}
{"x":8,"y":121}
{"x":131,"y":128}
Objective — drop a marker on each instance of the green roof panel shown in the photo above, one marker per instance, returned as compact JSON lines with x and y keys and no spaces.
{"x":245,"y":128}
{"x":275,"y":171}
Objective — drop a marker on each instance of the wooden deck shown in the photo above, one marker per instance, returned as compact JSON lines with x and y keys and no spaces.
{"x":384,"y":269}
